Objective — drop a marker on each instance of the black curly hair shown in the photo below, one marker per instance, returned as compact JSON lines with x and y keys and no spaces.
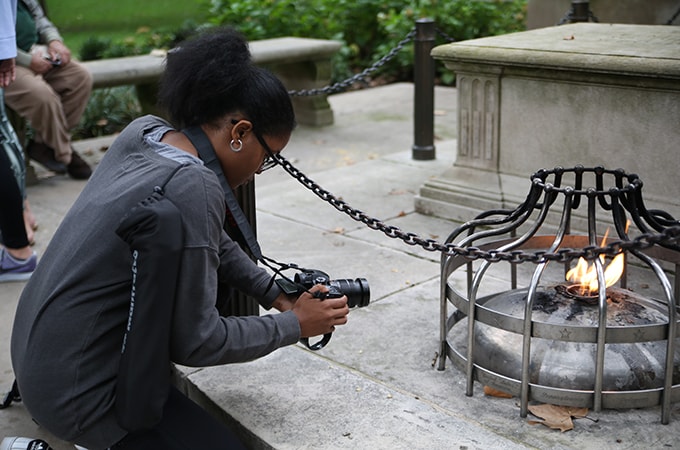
{"x":212,"y":75}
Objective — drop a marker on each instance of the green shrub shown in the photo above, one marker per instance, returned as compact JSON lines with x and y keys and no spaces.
{"x":143,"y":41}
{"x":457,"y":20}
{"x":369,"y":29}
{"x":108,"y":111}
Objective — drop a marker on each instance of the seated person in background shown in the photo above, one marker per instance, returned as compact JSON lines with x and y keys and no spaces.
{"x":17,"y":259}
{"x":51,"y":91}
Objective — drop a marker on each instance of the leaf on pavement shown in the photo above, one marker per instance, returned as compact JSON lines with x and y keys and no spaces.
{"x":488,"y":390}
{"x":557,"y":417}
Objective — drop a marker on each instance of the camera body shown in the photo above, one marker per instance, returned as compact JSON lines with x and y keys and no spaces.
{"x":357,"y":291}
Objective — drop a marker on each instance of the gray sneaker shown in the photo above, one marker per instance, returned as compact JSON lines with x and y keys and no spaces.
{"x":22,"y":443}
{"x":12,"y":269}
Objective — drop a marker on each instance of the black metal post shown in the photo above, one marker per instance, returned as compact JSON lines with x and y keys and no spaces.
{"x":423,"y":114}
{"x":580,"y":11}
{"x":235,"y":303}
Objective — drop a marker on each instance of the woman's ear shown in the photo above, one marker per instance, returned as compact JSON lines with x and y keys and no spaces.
{"x":241,"y":128}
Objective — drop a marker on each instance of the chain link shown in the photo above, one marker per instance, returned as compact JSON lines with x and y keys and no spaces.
{"x":342,"y":86}
{"x":441,"y":32}
{"x":673,"y":17}
{"x":669,"y":236}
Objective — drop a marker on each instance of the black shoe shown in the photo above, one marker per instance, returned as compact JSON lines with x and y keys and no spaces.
{"x":78,"y":168}
{"x":44,"y":155}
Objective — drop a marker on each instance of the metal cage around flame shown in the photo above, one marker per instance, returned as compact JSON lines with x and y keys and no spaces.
{"x":513,"y":326}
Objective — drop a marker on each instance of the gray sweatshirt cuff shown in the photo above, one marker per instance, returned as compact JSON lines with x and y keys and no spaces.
{"x":290,"y":327}
{"x":270,"y":296}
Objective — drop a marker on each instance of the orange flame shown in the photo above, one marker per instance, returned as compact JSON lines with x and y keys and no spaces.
{"x":585,"y":275}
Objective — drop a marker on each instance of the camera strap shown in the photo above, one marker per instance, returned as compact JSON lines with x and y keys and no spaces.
{"x":236,"y":219}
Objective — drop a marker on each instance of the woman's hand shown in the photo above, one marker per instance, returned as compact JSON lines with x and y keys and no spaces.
{"x":318,"y":316}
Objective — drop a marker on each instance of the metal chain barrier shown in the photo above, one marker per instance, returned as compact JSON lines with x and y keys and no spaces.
{"x":446,"y":37}
{"x":670,"y":235}
{"x":672,"y":19}
{"x":342,"y":86}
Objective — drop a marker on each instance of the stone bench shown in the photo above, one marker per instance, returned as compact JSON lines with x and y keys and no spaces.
{"x":301,"y":63}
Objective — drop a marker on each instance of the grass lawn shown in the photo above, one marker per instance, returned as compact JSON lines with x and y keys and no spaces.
{"x":79,"y":19}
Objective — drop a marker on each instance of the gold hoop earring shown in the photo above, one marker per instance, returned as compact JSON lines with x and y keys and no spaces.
{"x":234,"y":148}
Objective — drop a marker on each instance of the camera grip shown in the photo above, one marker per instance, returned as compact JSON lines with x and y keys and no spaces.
{"x":319,"y":345}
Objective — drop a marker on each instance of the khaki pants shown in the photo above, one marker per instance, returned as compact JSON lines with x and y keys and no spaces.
{"x":52,"y":103}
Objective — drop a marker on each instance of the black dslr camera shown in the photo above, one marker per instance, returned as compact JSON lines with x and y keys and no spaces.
{"x":357,"y":291}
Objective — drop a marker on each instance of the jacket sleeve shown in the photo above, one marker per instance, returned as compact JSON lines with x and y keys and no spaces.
{"x":47,"y":32}
{"x":8,"y":48}
{"x":200,"y":336}
{"x":240,"y":272}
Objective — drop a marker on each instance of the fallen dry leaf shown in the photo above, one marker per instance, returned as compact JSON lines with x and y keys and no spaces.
{"x":557,"y":417}
{"x":488,"y":390}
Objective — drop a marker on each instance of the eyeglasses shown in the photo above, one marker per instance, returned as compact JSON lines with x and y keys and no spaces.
{"x":270,"y":159}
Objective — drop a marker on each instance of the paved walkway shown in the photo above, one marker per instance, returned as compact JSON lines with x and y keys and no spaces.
{"x":374,"y":386}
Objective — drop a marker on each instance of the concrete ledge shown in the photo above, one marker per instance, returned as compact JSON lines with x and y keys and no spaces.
{"x":142,"y":69}
{"x":615,"y":49}
{"x":125,"y":70}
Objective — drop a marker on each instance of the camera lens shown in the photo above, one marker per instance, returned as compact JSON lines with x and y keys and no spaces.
{"x":357,"y":291}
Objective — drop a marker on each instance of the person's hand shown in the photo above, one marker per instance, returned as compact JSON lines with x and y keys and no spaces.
{"x":318,"y":316}
{"x":7,"y":72}
{"x":39,"y":64}
{"x":283,"y":302}
{"x":59,"y":52}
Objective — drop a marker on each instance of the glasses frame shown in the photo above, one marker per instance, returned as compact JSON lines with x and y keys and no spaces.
{"x":270,"y":160}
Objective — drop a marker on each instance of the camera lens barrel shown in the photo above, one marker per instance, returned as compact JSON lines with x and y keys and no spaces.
{"x":357,"y":291}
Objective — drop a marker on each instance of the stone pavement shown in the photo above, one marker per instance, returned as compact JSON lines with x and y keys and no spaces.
{"x":375,"y":385}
